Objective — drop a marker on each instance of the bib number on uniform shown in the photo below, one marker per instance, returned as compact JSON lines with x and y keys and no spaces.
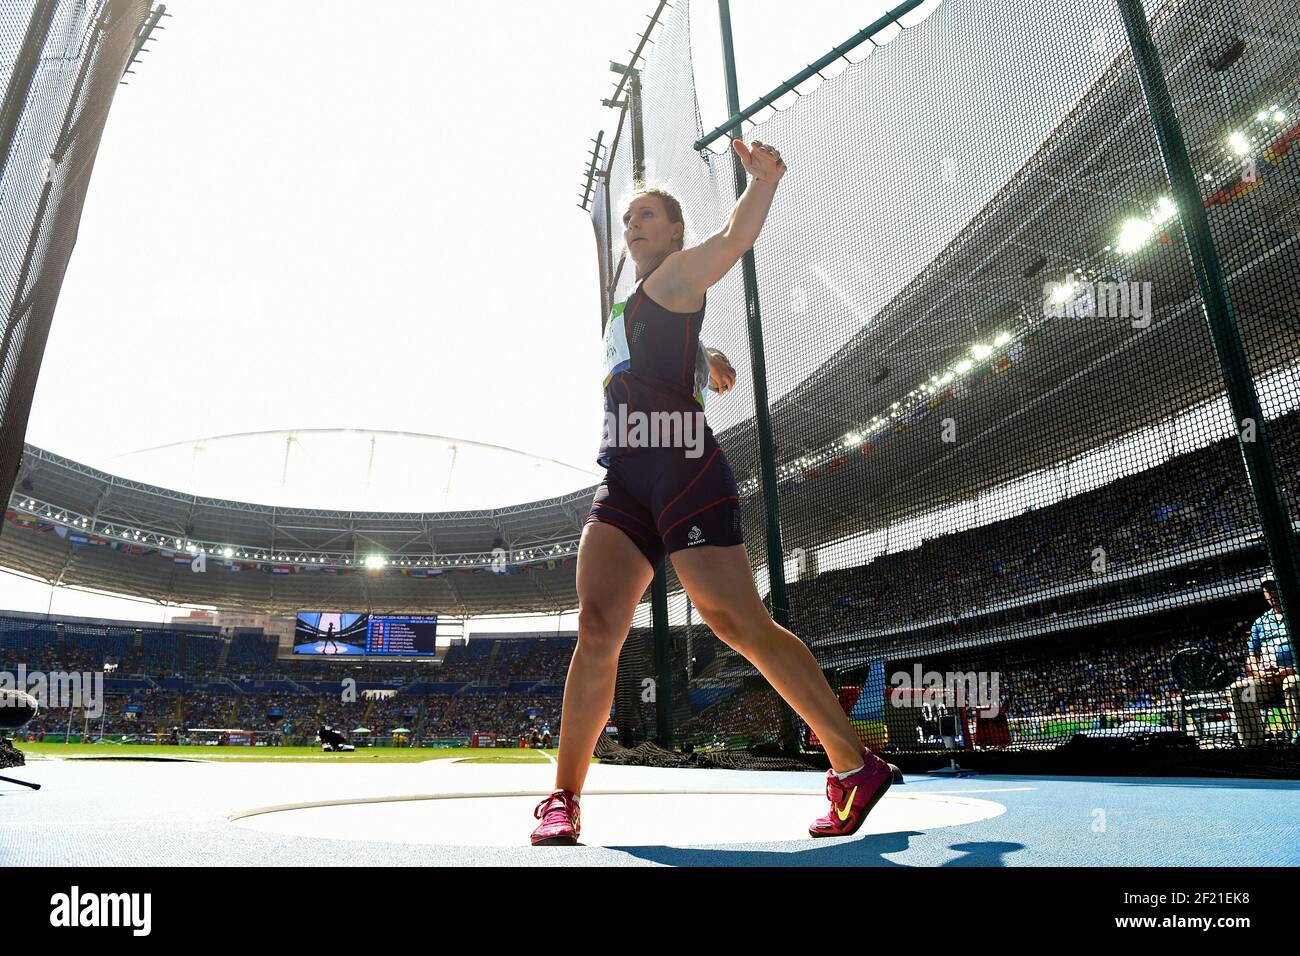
{"x":618,"y":357}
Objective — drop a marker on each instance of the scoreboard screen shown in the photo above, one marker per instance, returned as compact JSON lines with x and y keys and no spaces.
{"x":406,"y":635}
{"x":376,"y":635}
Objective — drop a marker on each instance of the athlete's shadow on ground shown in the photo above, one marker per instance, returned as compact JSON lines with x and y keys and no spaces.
{"x":864,"y":851}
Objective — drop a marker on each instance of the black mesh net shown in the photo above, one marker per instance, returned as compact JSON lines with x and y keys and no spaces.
{"x":10,"y":756}
{"x":1011,"y":491}
{"x":60,"y":65}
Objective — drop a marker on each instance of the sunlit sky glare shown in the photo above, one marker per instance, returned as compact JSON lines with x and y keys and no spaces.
{"x":303,"y":216}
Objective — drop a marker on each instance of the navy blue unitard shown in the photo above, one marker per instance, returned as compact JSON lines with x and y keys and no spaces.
{"x":667,"y":483}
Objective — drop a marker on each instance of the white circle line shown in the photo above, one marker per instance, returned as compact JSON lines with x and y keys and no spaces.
{"x":474,"y":795}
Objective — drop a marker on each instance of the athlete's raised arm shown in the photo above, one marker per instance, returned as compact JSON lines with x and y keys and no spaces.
{"x":696,"y":269}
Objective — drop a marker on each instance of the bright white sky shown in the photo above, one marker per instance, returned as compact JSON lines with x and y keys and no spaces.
{"x":303,"y":217}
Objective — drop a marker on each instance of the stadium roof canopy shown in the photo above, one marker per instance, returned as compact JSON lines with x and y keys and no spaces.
{"x":119,"y":534}
{"x":352,"y":469}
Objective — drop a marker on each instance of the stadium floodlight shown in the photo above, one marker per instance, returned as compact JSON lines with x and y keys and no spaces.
{"x":375,"y":561}
{"x":1239,"y":143}
{"x":981,"y":352}
{"x":1063,"y":291}
{"x":1002,"y":339}
{"x":1164,"y":211}
{"x":1134,"y":234}
{"x":964,"y":366}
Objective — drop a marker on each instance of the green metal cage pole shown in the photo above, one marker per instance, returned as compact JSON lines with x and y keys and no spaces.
{"x":732,"y":123}
{"x":758,"y":367}
{"x":1279,"y":539}
{"x":663,"y":659}
{"x":659,"y":586}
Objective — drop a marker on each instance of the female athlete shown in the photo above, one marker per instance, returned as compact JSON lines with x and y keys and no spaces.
{"x":672,"y":492}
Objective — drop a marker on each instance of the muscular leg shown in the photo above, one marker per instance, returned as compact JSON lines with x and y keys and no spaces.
{"x":719,"y":581}
{"x":612,"y":576}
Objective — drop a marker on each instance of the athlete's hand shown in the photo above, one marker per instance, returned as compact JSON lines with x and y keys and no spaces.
{"x":762,"y":162}
{"x":721,"y":375}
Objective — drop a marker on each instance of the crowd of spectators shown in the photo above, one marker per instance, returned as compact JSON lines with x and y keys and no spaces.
{"x":294,"y":698}
{"x":752,"y":711}
{"x":1102,"y":679}
{"x":1192,"y":499}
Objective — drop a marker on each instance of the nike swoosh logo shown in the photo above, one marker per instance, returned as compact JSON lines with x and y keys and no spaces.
{"x":843,"y":814}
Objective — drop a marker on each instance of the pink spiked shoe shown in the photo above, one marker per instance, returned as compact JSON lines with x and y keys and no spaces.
{"x":560,"y":818}
{"x":853,"y":797}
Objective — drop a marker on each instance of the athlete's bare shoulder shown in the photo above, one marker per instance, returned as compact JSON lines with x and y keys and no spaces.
{"x":668,"y":287}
